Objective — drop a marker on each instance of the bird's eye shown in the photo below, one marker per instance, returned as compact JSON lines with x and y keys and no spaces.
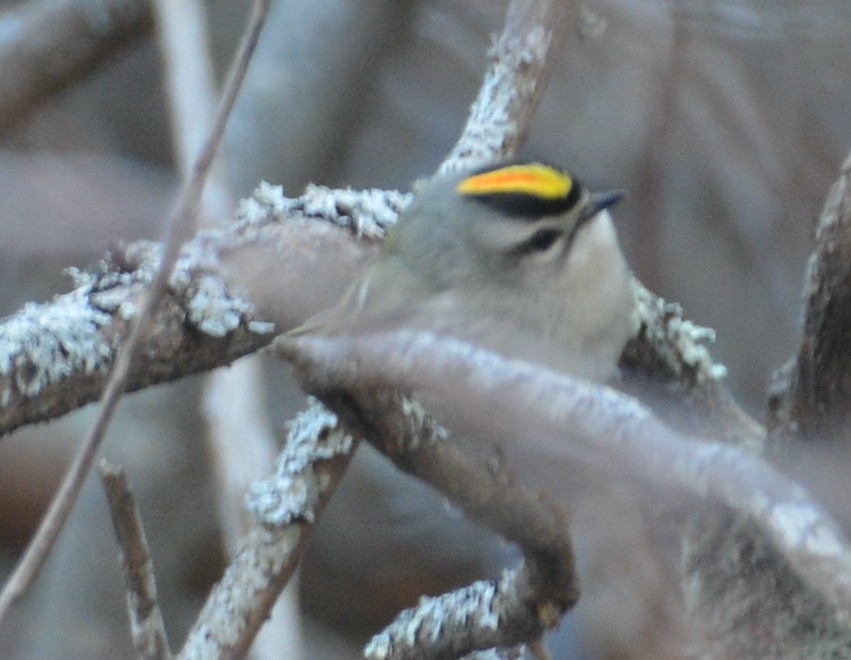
{"x":541,"y":241}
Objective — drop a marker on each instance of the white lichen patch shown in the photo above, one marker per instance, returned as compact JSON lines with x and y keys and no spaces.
{"x":195,"y":283}
{"x":510,"y":82}
{"x":665,"y":326}
{"x":261,"y":327}
{"x":210,"y":307}
{"x":42,"y":344}
{"x":292,"y":492}
{"x":369,"y":213}
{"x":473,"y":606}
{"x":266,"y":201}
{"x":418,"y":418}
{"x":801,"y":525}
{"x":45,"y":343}
{"x":691,"y":340}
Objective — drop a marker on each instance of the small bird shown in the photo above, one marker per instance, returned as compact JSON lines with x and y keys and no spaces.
{"x":519,"y":258}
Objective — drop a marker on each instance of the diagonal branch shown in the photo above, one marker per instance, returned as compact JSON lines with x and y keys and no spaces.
{"x":515,"y":399}
{"x":287,"y":506}
{"x":525,"y":602}
{"x":146,"y":621}
{"x":522,"y":60}
{"x":48,"y":45}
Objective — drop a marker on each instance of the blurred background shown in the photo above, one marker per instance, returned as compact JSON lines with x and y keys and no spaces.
{"x":725,"y":120}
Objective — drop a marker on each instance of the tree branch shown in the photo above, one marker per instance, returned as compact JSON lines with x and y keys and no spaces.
{"x":522,"y":61}
{"x":525,"y":602}
{"x":146,"y":621}
{"x":55,"y":357}
{"x":48,"y":45}
{"x":812,"y":395}
{"x":287,"y":505}
{"x":668,"y":363}
{"x":511,"y":399}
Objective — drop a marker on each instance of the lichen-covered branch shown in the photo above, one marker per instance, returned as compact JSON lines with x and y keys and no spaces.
{"x":56,"y":356}
{"x":286,"y":505}
{"x":521,"y":62}
{"x":511,"y":399}
{"x":668,"y":362}
{"x":485,"y":615}
{"x":231,"y":289}
{"x":517,"y":609}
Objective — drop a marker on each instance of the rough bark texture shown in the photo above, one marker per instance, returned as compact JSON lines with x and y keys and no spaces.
{"x":812,"y":395}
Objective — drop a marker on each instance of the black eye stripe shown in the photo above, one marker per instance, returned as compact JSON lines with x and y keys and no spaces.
{"x":541,"y":241}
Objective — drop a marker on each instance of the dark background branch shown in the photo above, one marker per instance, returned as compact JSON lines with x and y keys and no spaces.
{"x":812,"y":395}
{"x":58,"y":42}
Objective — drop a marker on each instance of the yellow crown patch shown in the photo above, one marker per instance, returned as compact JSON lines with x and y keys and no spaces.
{"x":533,"y":179}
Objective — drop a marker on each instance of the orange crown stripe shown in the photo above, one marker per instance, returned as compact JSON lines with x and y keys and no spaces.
{"x":535,"y":179}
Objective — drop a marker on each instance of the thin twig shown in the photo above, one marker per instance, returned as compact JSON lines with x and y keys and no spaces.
{"x":238,"y":429}
{"x":188,"y":72}
{"x":180,"y":225}
{"x":146,"y":621}
{"x":191,"y":95}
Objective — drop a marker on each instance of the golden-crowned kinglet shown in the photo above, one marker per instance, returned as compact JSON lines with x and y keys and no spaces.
{"x":518,"y":258}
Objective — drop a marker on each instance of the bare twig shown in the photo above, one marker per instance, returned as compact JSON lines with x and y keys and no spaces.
{"x":47,"y":45}
{"x":509,"y":399}
{"x":188,"y":72}
{"x":146,"y":621}
{"x":241,"y":439}
{"x":191,"y":96}
{"x":179,"y":228}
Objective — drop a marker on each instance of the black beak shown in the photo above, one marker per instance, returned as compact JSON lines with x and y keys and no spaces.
{"x":599,"y":201}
